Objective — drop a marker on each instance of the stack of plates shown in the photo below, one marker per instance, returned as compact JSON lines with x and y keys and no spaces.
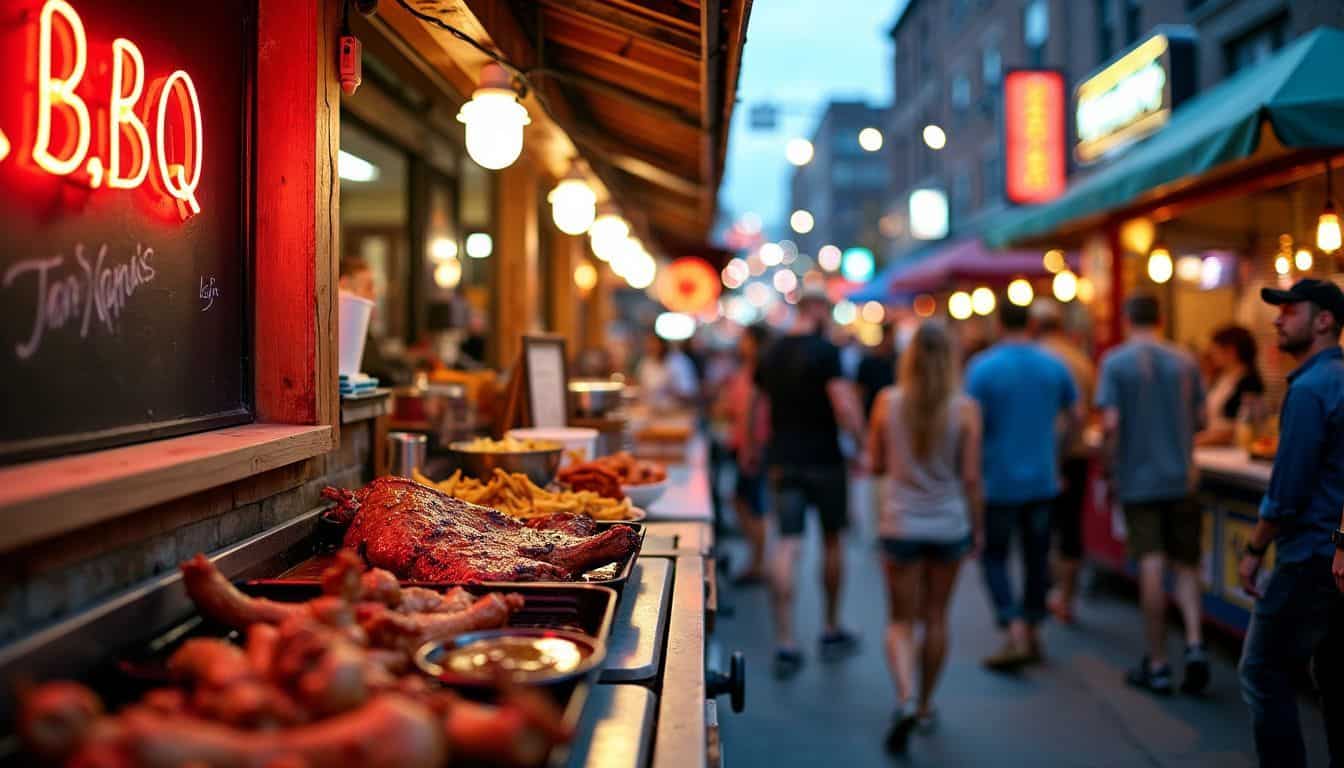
{"x":357,"y":384}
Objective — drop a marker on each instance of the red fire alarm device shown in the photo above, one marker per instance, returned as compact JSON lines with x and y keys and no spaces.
{"x":352,"y":67}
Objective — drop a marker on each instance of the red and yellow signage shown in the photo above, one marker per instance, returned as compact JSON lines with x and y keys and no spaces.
{"x":1034,"y":139}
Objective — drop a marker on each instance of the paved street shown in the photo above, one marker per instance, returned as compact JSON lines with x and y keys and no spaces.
{"x":1074,"y":711}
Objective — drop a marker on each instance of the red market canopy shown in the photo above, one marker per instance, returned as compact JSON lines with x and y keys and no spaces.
{"x":968,"y":261}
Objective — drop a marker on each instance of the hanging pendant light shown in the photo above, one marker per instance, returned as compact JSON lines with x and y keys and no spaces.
{"x":573,"y":203}
{"x":1160,"y":266}
{"x":1327,"y":226}
{"x":608,"y":232}
{"x":494,"y":120}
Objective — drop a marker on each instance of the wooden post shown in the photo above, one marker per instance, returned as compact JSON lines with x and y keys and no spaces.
{"x":516,"y":294}
{"x":566,"y":254}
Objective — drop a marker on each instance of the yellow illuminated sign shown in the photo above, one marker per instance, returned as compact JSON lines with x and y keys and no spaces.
{"x":1127,"y":100}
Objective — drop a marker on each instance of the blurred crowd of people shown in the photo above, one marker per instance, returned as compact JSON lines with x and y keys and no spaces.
{"x":975,"y":454}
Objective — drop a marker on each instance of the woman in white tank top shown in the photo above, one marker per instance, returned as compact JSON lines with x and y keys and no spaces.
{"x":924,"y":443}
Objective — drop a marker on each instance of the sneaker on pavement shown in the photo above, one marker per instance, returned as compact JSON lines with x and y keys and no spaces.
{"x":1156,"y":679}
{"x":1010,"y":658}
{"x":788,"y":661}
{"x":838,"y":644}
{"x":1196,"y":670}
{"x":898,"y":735}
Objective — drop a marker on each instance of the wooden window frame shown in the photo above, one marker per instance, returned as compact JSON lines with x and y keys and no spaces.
{"x":294,"y":309}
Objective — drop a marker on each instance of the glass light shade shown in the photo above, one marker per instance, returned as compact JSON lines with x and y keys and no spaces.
{"x":494,"y":121}
{"x":1327,"y":229}
{"x":573,"y":205}
{"x":1160,"y":267}
{"x":983,"y":301}
{"x":1020,"y":292}
{"x":1065,"y":286}
{"x":607,"y":234}
{"x":642,"y":272}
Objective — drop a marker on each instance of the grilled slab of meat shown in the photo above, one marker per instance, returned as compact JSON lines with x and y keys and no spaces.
{"x":422,"y":534}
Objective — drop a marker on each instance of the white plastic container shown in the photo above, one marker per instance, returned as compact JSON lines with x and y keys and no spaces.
{"x":355,"y":313}
{"x":572,"y":438}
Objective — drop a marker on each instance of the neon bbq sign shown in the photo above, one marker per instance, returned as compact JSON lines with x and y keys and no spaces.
{"x":119,"y":138}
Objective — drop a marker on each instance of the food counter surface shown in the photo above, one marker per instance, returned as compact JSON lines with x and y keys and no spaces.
{"x":687,"y":494}
{"x":1232,"y":465}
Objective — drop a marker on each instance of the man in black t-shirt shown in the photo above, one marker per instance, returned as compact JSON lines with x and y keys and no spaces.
{"x":810,"y":400}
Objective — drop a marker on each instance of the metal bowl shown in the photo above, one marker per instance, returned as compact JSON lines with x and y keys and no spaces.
{"x":595,"y":397}
{"x":539,"y":466}
{"x":570,"y":655}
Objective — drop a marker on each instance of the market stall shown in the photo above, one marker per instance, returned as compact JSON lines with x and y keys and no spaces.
{"x":1230,"y":193}
{"x":184,"y":474}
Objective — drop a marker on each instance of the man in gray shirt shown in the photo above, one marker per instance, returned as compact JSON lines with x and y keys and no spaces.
{"x":1151,"y":398}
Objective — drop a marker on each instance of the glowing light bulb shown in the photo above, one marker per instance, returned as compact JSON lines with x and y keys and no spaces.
{"x":1065,"y":286}
{"x":828,"y":258}
{"x":870,"y":139}
{"x":1189,"y":269}
{"x":448,"y":274}
{"x":1303,"y":260}
{"x":772,"y":255}
{"x":983,"y":301}
{"x":872,"y":312}
{"x":442,"y":249}
{"x":959,"y":305}
{"x":494,"y":120}
{"x":1020,"y":292}
{"x":1327,"y":229}
{"x":585,"y":277}
{"x":785,"y":281}
{"x":844,"y":312}
{"x":801,"y":221}
{"x":573,"y":205}
{"x":925,"y":305}
{"x":480,"y":245}
{"x":1160,"y":267}
{"x":607,"y":233}
{"x":1282,"y":265}
{"x":934,"y":137}
{"x":1054,"y":261}
{"x":798,"y":151}
{"x":1087,"y":290}
{"x":674,"y":326}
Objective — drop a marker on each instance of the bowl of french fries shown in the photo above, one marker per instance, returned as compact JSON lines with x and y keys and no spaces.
{"x":515,"y":494}
{"x":482,"y":457}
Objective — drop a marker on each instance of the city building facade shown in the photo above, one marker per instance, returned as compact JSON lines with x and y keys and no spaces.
{"x":845,"y":185}
{"x":950,"y":57}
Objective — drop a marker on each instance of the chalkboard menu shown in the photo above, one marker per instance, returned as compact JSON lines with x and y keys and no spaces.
{"x":124,"y":207}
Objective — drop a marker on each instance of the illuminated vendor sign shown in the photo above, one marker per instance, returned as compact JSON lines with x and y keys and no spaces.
{"x":1134,"y":95}
{"x":1034,"y":138}
{"x":124,"y":135}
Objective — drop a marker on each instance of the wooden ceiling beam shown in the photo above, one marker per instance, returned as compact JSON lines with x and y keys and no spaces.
{"x":639,"y":165}
{"x":629,"y":23}
{"x":568,"y":31}
{"x":669,"y":11}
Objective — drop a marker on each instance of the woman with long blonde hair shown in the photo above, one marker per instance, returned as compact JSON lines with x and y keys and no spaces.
{"x":924,"y":443}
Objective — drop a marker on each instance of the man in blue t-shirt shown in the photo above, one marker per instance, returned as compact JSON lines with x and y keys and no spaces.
{"x":1151,"y":399}
{"x":1025,"y":393}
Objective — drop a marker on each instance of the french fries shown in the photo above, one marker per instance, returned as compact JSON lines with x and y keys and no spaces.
{"x":515,"y":495}
{"x":508,"y":445}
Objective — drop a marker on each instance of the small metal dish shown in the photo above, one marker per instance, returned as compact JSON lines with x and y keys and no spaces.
{"x":526,"y":655}
{"x":539,"y":466}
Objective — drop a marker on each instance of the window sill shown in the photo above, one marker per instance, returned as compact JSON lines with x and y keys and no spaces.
{"x":46,"y":498}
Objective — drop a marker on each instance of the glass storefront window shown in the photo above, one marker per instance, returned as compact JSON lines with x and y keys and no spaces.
{"x":375,"y":219}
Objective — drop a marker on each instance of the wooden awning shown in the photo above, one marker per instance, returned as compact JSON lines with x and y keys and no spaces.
{"x":641,"y":89}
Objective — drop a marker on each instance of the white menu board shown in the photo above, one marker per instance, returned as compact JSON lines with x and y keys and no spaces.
{"x":546,"y":393}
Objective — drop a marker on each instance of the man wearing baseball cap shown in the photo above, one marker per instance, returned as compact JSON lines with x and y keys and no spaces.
{"x":1300,"y":515}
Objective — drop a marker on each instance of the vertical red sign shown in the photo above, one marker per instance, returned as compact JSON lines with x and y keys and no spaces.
{"x":1034,"y":140}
